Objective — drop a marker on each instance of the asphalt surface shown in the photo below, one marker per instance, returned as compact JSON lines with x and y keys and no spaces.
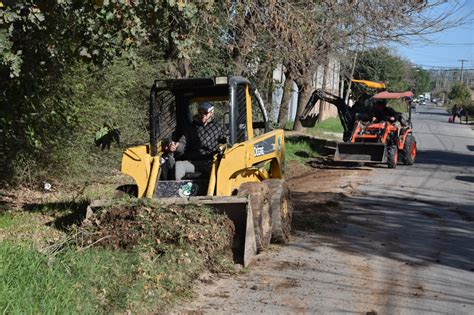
{"x":404,"y":243}
{"x":421,"y":243}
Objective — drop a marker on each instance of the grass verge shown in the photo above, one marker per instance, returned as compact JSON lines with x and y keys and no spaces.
{"x":133,"y":256}
{"x":301,"y":148}
{"x":329,"y":125}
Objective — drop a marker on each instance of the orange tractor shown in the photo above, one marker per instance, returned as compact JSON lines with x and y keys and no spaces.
{"x":366,"y":139}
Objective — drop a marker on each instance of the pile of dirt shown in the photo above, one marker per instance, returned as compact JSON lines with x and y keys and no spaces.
{"x":296,"y":169}
{"x":144,"y":223}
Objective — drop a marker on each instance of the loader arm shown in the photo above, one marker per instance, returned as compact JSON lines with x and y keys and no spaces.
{"x":342,"y":109}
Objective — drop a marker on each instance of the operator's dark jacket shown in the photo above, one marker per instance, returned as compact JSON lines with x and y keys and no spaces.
{"x":200,"y":142}
{"x":383,"y":114}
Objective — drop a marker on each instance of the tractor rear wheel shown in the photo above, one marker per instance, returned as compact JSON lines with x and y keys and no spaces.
{"x":281,"y":209}
{"x":259,"y":202}
{"x":409,"y":150}
{"x":392,"y":155}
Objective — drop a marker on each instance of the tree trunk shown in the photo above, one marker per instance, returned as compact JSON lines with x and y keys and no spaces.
{"x":322,"y":105}
{"x":304,"y":93}
{"x":285,"y":100}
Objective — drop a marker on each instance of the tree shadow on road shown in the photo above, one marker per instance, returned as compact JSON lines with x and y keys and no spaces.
{"x":411,"y":231}
{"x":444,"y":158}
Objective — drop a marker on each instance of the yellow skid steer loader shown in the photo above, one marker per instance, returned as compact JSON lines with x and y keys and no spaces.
{"x":245,"y":180}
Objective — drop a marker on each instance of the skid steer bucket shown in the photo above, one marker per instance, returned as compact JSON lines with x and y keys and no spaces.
{"x":360,"y":152}
{"x":238,"y":210}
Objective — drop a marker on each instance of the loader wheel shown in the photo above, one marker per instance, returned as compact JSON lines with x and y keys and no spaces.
{"x":281,"y":209}
{"x":392,"y":155}
{"x":262,"y":221}
{"x":409,"y":150}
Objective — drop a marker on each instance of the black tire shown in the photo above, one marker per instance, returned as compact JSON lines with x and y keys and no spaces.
{"x":281,"y":209}
{"x":392,"y":155}
{"x":409,"y":150}
{"x":262,"y":221}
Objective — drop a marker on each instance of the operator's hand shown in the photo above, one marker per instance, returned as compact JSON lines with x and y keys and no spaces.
{"x":392,"y":118}
{"x":173,"y":146}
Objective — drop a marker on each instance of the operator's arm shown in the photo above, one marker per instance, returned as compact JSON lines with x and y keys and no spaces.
{"x":223,"y":136}
{"x":178,"y":147}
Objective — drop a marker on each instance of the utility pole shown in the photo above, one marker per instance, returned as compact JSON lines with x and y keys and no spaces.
{"x":462,"y":68}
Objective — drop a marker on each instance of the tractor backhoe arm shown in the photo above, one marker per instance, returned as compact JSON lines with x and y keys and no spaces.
{"x":342,"y":108}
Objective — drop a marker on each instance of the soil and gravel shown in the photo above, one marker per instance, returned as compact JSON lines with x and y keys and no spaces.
{"x":280,"y":279}
{"x":373,"y":241}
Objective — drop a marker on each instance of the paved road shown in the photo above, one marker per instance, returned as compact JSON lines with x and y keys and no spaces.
{"x":421,"y":244}
{"x":404,"y":242}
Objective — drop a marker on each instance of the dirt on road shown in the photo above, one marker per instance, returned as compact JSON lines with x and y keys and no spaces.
{"x":280,"y":279}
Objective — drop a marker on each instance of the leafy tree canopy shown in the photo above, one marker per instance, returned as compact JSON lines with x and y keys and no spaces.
{"x":460,"y":93}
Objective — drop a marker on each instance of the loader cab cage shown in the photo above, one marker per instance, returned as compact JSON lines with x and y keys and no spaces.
{"x":170,"y":111}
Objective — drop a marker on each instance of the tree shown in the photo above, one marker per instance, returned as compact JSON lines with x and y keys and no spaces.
{"x":422,"y":80}
{"x":460,"y":94}
{"x":42,"y":41}
{"x":380,"y":65}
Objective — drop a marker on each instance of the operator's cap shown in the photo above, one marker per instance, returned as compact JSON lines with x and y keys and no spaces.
{"x":205,"y":106}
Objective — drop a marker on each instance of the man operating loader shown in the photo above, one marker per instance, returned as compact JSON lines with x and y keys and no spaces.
{"x":198,"y":143}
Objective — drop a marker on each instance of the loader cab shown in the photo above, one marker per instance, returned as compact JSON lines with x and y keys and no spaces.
{"x":252,"y":153}
{"x":173,"y":103}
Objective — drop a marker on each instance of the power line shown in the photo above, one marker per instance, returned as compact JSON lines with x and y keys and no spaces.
{"x":445,"y":68}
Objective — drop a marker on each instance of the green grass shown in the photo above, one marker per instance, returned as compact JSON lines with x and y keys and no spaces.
{"x":70,"y":282}
{"x":298,"y":150}
{"x":7,"y":220}
{"x":303,"y":148}
{"x":79,"y":271}
{"x":332,"y":124}
{"x":398,"y":105}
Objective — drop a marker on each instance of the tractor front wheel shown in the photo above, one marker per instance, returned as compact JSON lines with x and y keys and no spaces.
{"x":409,"y":150}
{"x":392,"y":155}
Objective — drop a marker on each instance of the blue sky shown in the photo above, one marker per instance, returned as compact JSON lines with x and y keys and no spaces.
{"x":446,"y":48}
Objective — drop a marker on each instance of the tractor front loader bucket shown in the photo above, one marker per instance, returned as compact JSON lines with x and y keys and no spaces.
{"x":360,"y":152}
{"x":238,"y":210}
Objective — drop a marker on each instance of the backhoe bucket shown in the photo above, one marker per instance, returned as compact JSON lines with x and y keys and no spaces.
{"x":238,"y":210}
{"x":360,"y":152}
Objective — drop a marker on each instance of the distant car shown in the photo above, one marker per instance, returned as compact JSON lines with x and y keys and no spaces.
{"x":423,"y":102}
{"x":434,"y":101}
